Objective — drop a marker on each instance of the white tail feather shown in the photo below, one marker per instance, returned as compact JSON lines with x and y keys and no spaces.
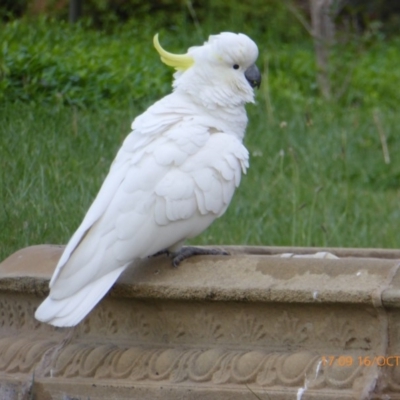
{"x":71,"y":310}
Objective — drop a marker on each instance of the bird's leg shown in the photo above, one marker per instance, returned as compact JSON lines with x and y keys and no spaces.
{"x":188,"y":251}
{"x":161,"y":253}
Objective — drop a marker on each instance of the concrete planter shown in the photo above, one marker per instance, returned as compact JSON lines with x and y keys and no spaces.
{"x":252,"y":325}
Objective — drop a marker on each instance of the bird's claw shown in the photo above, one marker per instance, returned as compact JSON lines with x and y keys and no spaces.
{"x":187,"y":252}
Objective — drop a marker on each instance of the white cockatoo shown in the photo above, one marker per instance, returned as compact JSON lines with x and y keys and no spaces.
{"x":175,"y":173}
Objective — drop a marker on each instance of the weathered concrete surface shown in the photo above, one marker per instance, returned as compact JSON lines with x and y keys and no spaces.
{"x":245,"y":326}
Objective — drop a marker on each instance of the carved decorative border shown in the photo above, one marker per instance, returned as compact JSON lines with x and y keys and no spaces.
{"x":139,"y":322}
{"x":189,"y":343}
{"x":210,"y":365}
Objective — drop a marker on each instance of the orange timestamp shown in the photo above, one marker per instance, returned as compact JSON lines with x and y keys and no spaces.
{"x":365,"y":361}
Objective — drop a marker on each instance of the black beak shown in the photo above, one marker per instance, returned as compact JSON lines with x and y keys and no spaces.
{"x":253,"y":76}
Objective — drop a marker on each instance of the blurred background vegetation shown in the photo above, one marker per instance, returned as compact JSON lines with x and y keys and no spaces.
{"x":323,"y":135}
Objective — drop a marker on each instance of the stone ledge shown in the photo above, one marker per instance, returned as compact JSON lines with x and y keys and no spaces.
{"x":236,"y":327}
{"x":249,"y":274}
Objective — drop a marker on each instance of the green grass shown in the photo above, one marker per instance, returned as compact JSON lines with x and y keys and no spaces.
{"x":317,"y":176}
{"x":324,"y":184}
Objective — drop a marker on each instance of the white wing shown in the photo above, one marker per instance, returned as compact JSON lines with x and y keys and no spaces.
{"x":175,"y":173}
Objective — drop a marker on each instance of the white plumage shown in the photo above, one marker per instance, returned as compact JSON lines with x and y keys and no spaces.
{"x":175,"y":173}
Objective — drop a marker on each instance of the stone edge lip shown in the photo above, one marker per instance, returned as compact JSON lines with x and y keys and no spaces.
{"x":249,"y":274}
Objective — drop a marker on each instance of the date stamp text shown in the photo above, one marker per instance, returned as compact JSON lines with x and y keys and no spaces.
{"x":365,"y":361}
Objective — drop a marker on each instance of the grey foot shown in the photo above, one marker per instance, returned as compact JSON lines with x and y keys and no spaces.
{"x":188,"y":251}
{"x":161,"y":253}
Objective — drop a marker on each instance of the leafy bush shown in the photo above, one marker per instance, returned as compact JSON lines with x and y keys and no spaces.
{"x":49,"y":61}
{"x":54,"y":62}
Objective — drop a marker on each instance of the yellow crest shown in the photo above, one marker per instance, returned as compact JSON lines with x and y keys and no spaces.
{"x":180,"y":62}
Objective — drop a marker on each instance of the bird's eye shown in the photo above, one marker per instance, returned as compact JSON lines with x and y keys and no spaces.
{"x":236,"y":66}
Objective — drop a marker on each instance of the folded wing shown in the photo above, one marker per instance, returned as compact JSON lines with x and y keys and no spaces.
{"x":172,"y":177}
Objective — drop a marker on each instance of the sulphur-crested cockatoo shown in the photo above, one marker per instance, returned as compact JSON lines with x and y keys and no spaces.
{"x":175,"y":173}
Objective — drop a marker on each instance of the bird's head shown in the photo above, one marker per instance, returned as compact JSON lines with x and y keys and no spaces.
{"x":221,"y":72}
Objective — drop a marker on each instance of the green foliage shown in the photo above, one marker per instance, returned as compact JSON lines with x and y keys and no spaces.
{"x":269,"y":20}
{"x":375,"y":78}
{"x":11,"y":9}
{"x":361,"y":76}
{"x":320,"y":173}
{"x":54,"y":62}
